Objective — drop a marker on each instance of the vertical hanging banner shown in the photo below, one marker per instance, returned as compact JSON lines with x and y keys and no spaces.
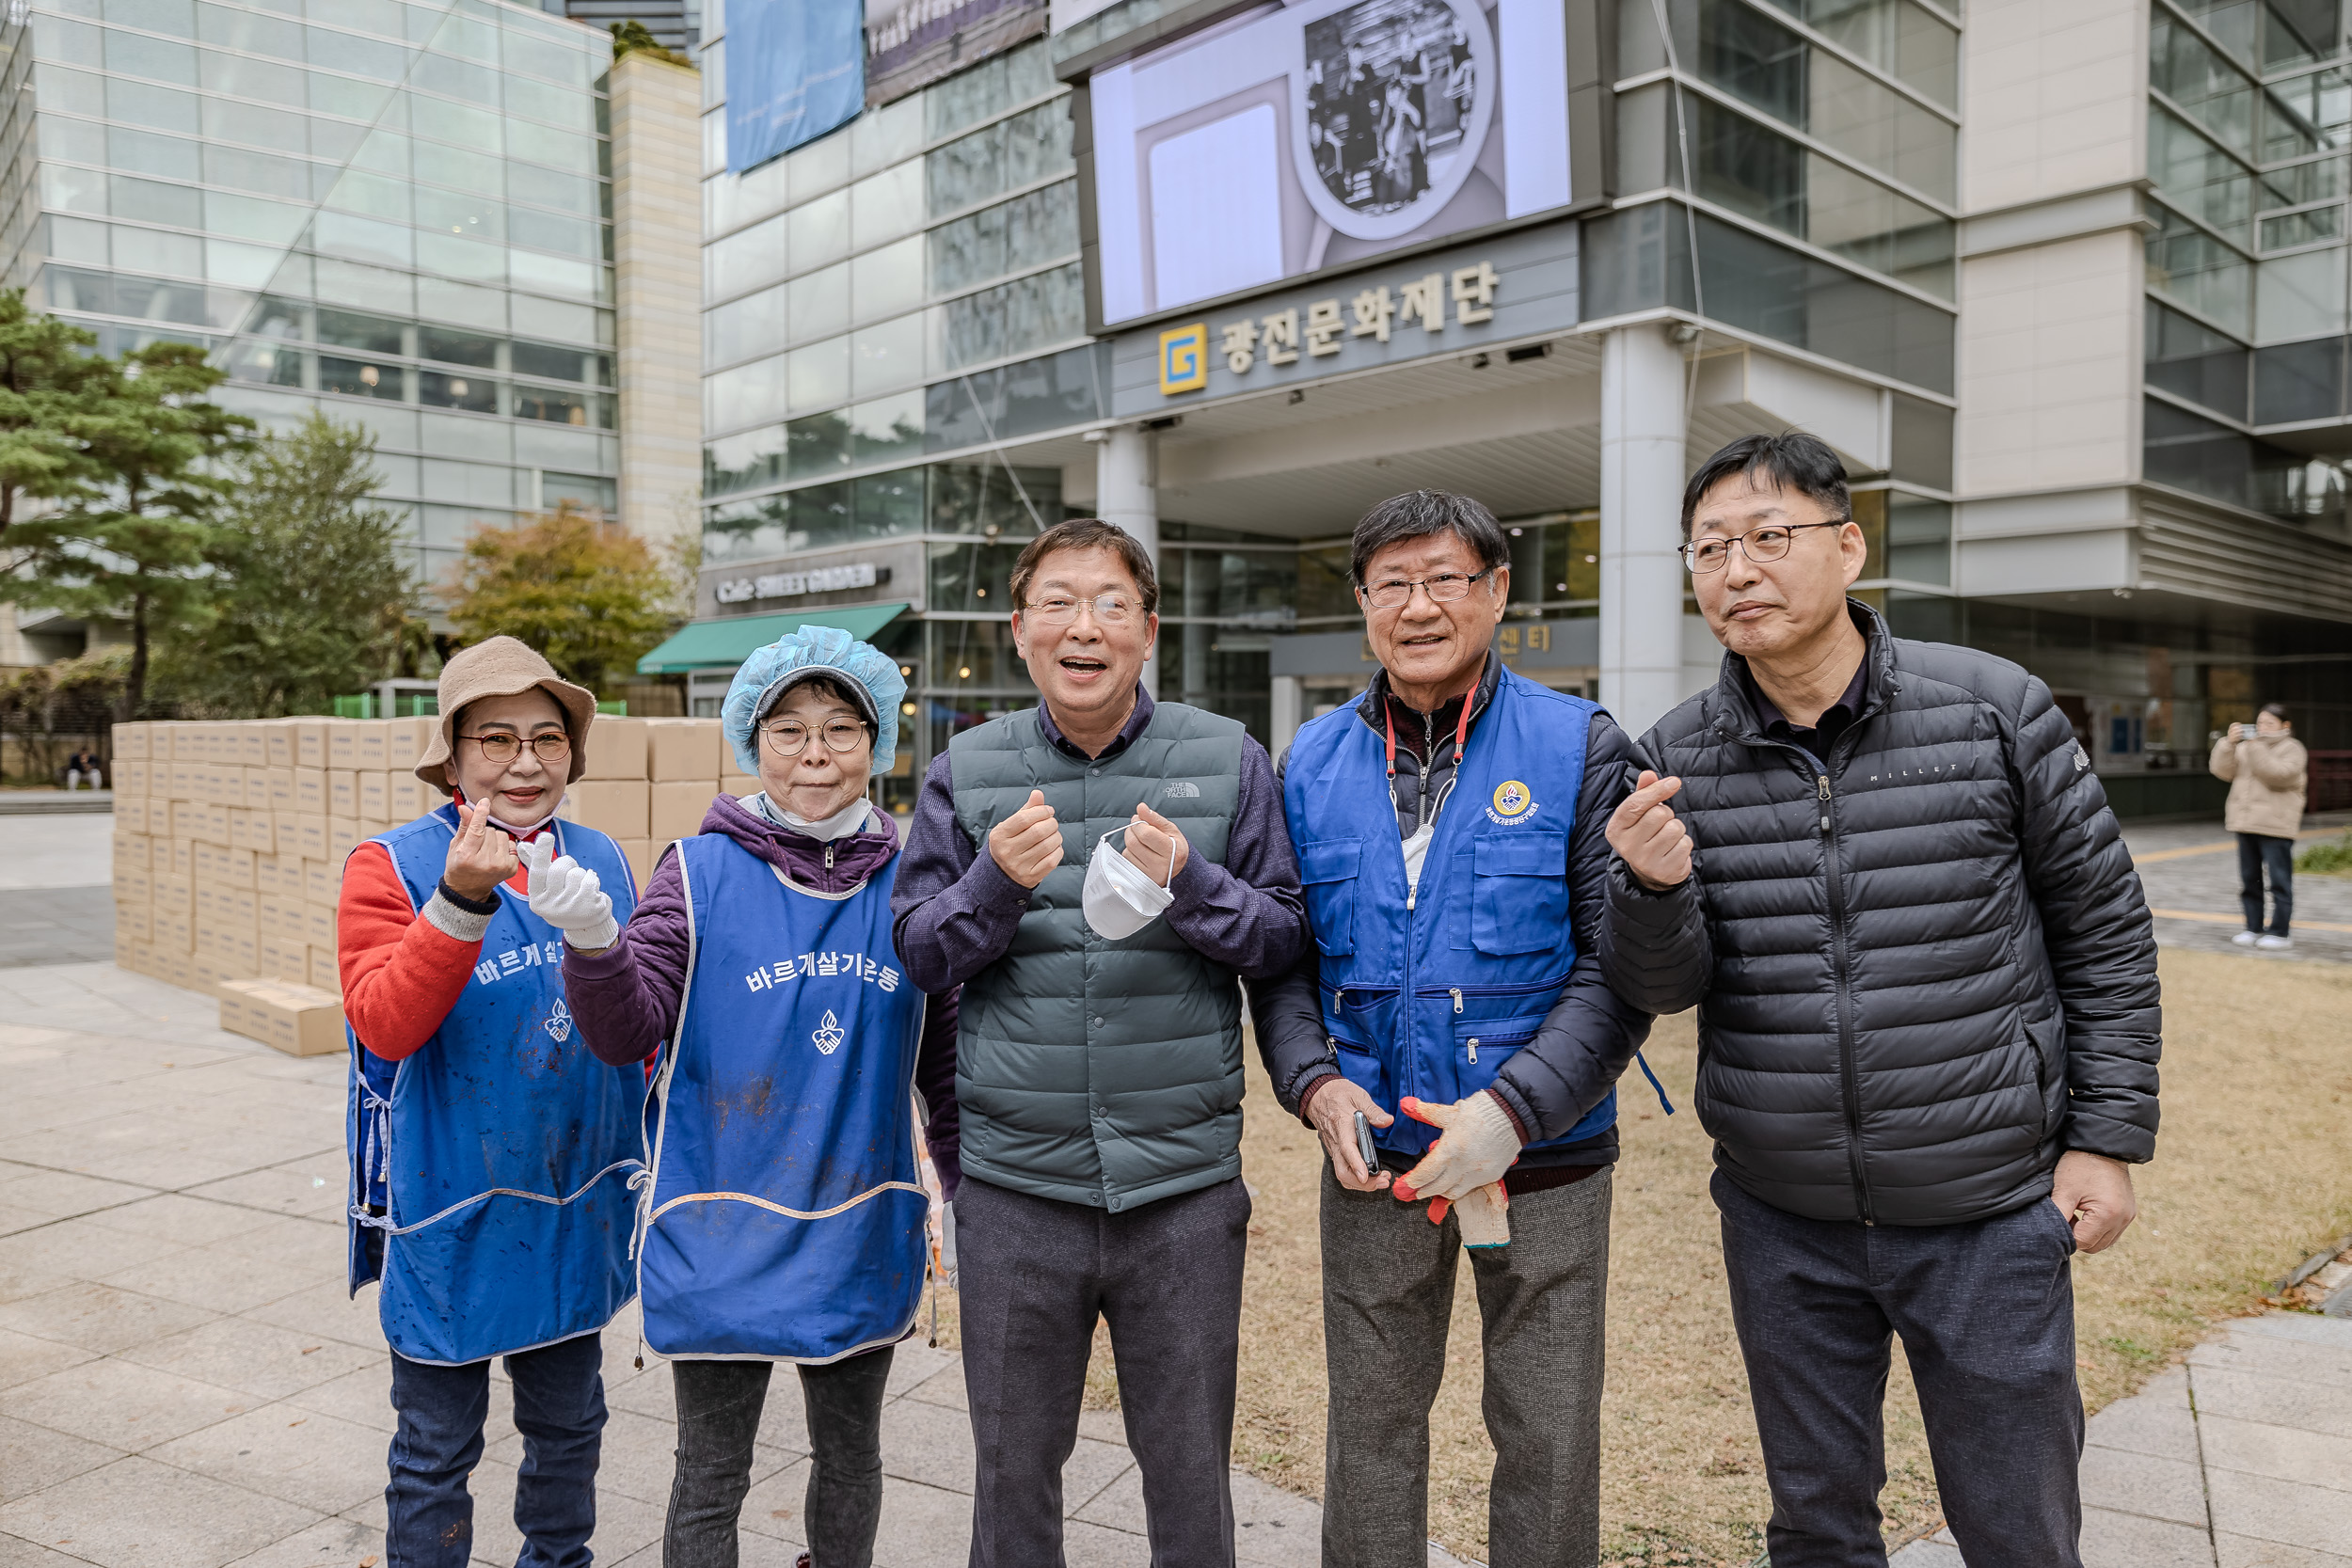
{"x":796,"y":69}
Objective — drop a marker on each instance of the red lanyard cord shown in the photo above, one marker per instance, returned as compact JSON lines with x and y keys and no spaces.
{"x":1461,"y":730}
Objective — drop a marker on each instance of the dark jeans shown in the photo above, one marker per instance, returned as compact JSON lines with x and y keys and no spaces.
{"x":2257,"y":853}
{"x":1986,"y":1312}
{"x":1388,"y":1298}
{"x":558,"y":1408}
{"x":719,"y":1405}
{"x":1033,"y":1277}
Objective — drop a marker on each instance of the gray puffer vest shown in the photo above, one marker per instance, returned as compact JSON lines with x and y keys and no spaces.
{"x":1091,"y":1072}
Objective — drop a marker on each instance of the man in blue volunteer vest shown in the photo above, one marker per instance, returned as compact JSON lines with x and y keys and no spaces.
{"x":491,"y":1155}
{"x":1096,"y":872}
{"x":1450,"y":833}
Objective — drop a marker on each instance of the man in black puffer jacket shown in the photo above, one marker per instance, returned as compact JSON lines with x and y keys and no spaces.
{"x":1928,"y":1021}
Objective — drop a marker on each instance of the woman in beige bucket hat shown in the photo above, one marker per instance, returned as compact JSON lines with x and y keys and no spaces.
{"x":491,"y":1155}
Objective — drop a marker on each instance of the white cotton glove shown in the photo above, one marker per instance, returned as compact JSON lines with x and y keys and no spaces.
{"x":1484,"y":1217}
{"x":569,"y":896}
{"x":1478,"y":1146}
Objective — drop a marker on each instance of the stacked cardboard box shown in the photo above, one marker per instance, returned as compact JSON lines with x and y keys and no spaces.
{"x":231,"y":835}
{"x":298,"y":1020}
{"x":649,"y":781}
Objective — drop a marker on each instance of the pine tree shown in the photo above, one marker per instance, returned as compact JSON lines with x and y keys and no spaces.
{"x":133,"y":535}
{"x":45,"y":367}
{"x":313,"y":587}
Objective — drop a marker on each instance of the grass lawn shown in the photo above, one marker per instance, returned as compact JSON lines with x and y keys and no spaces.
{"x":2250,"y":1177}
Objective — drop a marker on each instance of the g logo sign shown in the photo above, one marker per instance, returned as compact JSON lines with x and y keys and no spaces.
{"x":1512,"y":799}
{"x":1184,"y":359}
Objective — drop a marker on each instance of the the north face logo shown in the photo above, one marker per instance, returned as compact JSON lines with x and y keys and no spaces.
{"x":1183,"y":790}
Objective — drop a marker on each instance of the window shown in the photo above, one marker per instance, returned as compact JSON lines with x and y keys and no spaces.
{"x":2190,"y":266}
{"x":563,"y":364}
{"x":2296,"y":382}
{"x":2207,"y":88}
{"x":1031,"y":146}
{"x":1012,"y":236}
{"x":590,"y":492}
{"x":476,"y":394}
{"x":2197,"y":177}
{"x":2193,"y":361}
{"x":350,"y":330}
{"x":562,"y":405}
{"x":1903,"y":40}
{"x":358,"y":378}
{"x":1020,"y":317}
{"x":457,"y":348}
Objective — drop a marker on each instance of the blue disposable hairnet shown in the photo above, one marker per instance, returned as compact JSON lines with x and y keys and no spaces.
{"x":869,"y":675}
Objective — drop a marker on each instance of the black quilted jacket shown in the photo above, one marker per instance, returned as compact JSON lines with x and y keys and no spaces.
{"x":1923,"y":971}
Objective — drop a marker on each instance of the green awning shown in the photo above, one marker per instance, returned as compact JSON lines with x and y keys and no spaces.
{"x":728,"y":642}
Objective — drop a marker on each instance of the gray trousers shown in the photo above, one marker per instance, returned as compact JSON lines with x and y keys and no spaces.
{"x":1388,"y":1293}
{"x":1032,"y":1276}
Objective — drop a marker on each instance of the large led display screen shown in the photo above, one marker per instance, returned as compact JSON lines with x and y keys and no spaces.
{"x":1301,"y":136}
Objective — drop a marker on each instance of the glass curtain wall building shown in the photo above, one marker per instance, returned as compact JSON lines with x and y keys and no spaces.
{"x":400,"y":213}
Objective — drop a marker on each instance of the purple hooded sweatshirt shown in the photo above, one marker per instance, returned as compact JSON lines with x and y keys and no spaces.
{"x":625,"y":1000}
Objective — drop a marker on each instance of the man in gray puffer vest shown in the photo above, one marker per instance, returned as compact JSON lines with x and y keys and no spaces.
{"x":1928,"y":1027}
{"x":1098,"y":1060}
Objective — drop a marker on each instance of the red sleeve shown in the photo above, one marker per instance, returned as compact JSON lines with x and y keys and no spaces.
{"x":401,"y":974}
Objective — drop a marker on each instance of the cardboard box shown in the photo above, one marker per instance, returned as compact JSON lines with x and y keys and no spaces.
{"x":375,"y":797}
{"x":341,"y":838}
{"x":404,"y":740}
{"x":321,"y":881}
{"x":309,"y":836}
{"x":342,"y":743}
{"x":229,"y":867}
{"x":616,"y":749}
{"x":266,"y":870}
{"x":241,"y":827}
{"x":618,"y":807}
{"x":677,"y":750}
{"x":252,"y":743}
{"x":639,"y":853}
{"x":738,"y":785}
{"x":343,"y":792}
{"x":129,"y":742}
{"x":174,"y":931}
{"x":177,"y":967}
{"x":130,"y":778}
{"x":133,"y":849}
{"x":408,"y":797}
{"x":285,"y":959}
{"x":126,"y":950}
{"x":318,"y":925}
{"x":323,"y":975}
{"x":278,"y":918}
{"x":277,"y":788}
{"x":310,"y":749}
{"x":175,"y":892}
{"x":135,"y":923}
{"x":142,"y":888}
{"x":278,"y":742}
{"x":676,"y":808}
{"x":368,"y":745}
{"x":300,"y":1021}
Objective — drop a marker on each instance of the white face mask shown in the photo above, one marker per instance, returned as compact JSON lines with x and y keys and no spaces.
{"x":848,"y":819}
{"x":1120,"y":899}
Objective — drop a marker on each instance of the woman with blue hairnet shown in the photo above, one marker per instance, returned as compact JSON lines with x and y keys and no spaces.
{"x":783,"y":1220}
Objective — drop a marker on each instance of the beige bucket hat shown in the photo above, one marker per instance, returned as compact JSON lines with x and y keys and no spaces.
{"x":503,"y":667}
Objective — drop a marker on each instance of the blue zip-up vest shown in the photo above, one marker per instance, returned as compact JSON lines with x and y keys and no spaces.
{"x":1427,"y":992}
{"x":502,"y":1151}
{"x":785,"y":1220}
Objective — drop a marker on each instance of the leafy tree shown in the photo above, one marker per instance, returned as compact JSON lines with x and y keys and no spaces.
{"x":634,"y":37}
{"x":313,"y":590}
{"x":45,"y":368}
{"x":133,"y":535}
{"x":587,"y":593}
{"x":49,"y":711}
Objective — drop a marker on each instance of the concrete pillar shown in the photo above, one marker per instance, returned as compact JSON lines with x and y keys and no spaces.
{"x":1641,"y":579}
{"x":1289,"y":699}
{"x":1126,"y":492}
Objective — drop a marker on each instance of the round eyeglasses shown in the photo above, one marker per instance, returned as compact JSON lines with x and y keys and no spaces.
{"x":1768,"y":543}
{"x":788,"y":737}
{"x":499,"y":748}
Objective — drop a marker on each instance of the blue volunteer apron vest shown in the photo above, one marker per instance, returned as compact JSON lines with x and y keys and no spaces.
{"x":785,"y":1221}
{"x":1429,"y":992}
{"x":500,"y":1153}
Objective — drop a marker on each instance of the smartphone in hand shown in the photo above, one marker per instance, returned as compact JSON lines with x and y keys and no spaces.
{"x":1363,"y":1148}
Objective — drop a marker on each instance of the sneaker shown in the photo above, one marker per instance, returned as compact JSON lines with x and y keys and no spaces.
{"x":2273,"y":944}
{"x":2247,"y":939}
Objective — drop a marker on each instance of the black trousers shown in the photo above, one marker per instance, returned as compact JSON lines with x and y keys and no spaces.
{"x":719,"y":1405}
{"x":1033,"y":1275}
{"x":1986,"y":1312}
{"x":2256,"y":854}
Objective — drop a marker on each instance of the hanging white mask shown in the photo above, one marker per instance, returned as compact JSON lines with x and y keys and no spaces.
{"x":1120,"y":898}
